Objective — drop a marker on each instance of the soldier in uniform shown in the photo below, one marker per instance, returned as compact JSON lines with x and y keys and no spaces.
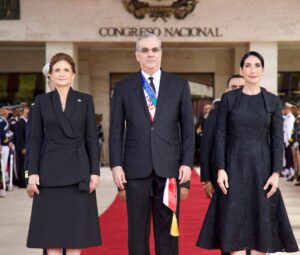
{"x":5,"y":142}
{"x":20,"y":134}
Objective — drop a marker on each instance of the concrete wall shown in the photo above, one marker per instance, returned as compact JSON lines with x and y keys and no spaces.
{"x":77,"y":20}
{"x":22,"y":59}
{"x":289,"y":59}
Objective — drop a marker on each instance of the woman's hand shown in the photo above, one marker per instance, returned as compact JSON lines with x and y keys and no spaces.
{"x":274,"y":182}
{"x":223,"y":180}
{"x":32,"y":186}
{"x":94,"y":181}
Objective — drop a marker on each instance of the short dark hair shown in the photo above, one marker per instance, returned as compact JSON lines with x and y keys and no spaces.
{"x":255,"y":54}
{"x":59,"y":57}
{"x":233,"y":77}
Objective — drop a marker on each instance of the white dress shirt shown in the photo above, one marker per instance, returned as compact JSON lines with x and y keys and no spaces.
{"x":156,"y":80}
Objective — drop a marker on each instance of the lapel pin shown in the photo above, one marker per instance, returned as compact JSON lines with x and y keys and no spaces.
{"x":79,"y":100}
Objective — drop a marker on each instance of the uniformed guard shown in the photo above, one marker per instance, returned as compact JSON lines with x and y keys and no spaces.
{"x":6,"y":145}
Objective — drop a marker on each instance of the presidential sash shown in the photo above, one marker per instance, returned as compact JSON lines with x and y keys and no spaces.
{"x":170,"y":191}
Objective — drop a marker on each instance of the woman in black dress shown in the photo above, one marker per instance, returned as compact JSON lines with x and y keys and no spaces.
{"x":247,"y":211}
{"x":63,"y":166}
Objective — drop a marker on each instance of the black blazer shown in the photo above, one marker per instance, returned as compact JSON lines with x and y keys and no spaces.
{"x":64,"y":147}
{"x":162,"y":145}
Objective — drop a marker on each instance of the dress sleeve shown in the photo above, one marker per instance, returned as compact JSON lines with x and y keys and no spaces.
{"x":221,"y":133}
{"x":206,"y":146}
{"x":276,"y":136}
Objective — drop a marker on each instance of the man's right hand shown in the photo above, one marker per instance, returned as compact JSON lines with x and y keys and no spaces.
{"x":32,"y":186}
{"x":119,"y":177}
{"x":209,"y":189}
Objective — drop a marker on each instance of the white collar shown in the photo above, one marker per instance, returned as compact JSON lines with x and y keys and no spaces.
{"x":156,"y":75}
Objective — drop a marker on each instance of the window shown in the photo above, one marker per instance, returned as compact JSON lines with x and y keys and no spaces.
{"x":289,"y":86}
{"x":9,"y":9}
{"x":21,"y":87}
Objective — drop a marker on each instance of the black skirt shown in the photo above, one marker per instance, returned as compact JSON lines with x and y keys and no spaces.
{"x":64,"y":217}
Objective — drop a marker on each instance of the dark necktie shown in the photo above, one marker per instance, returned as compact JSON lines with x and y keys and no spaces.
{"x":152,"y":84}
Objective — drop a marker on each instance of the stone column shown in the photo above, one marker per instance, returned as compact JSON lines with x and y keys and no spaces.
{"x":238,"y":54}
{"x":66,"y":47}
{"x":269,"y":51}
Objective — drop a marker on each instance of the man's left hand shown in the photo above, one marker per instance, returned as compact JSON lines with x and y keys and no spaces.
{"x":184,"y":174}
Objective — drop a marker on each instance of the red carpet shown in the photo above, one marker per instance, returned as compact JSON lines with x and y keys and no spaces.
{"x":192,"y":212}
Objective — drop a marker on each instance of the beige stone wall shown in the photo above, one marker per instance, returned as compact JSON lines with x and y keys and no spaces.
{"x":77,"y":20}
{"x":289,"y":59}
{"x":95,"y":67}
{"x":202,"y":60}
{"x":21,"y":59}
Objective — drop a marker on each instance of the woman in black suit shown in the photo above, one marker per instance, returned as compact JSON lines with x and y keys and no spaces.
{"x":247,"y":210}
{"x":63,"y":166}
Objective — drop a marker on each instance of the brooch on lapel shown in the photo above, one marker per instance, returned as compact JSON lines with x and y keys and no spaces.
{"x":79,"y":100}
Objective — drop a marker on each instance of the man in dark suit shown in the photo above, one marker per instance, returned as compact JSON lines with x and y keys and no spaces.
{"x":20,"y":134}
{"x":159,"y":146}
{"x":6,"y":144}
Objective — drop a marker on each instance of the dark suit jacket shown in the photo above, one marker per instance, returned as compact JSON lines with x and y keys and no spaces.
{"x":20,"y":135}
{"x":64,"y":147}
{"x":162,"y":145}
{"x":207,"y":153}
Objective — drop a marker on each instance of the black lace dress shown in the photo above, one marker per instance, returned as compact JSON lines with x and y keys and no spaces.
{"x":249,"y":146}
